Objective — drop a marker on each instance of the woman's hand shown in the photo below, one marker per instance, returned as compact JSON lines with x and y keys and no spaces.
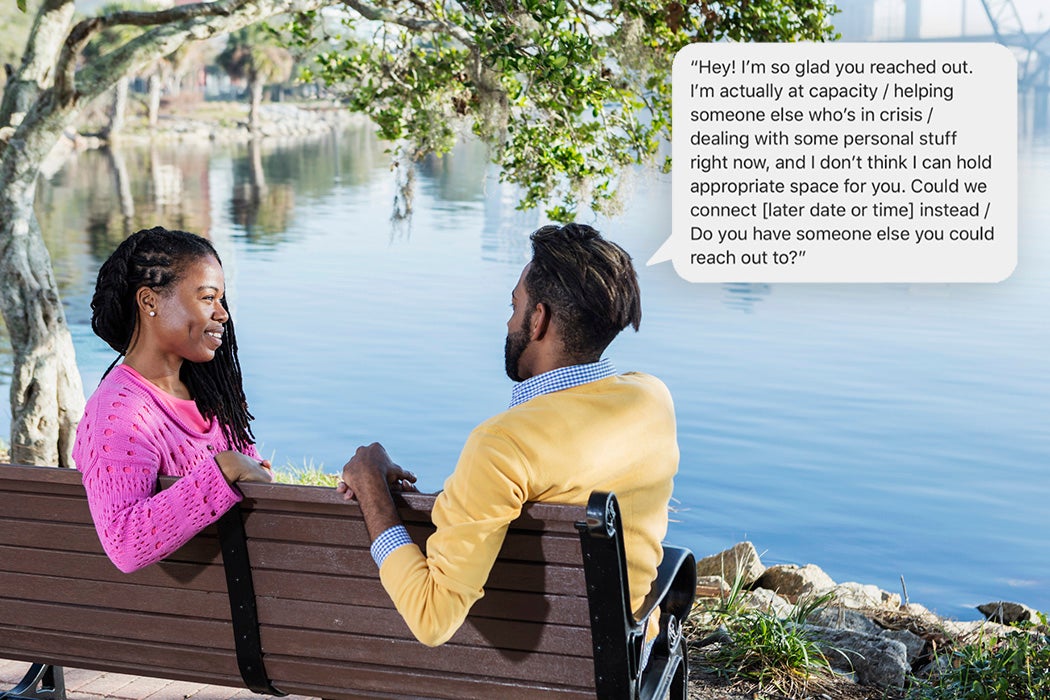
{"x":238,"y":467}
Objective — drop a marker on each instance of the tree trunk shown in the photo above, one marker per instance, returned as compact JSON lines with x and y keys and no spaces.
{"x":154,"y":99}
{"x":256,"y":85}
{"x":47,"y":397}
{"x":118,"y":109}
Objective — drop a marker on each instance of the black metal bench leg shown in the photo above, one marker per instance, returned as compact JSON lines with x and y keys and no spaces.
{"x":680,"y":682}
{"x":41,"y":682}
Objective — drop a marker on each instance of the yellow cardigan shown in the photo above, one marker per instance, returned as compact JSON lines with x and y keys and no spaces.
{"x":615,"y":434}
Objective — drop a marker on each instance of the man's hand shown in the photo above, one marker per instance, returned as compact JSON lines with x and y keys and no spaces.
{"x":369,"y":464}
{"x":238,"y":467}
{"x":369,"y":477}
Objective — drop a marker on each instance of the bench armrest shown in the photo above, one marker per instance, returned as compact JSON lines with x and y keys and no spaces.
{"x":674,"y":589}
{"x":617,"y":636}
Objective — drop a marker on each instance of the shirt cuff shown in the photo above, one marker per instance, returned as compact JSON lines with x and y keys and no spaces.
{"x":389,"y":540}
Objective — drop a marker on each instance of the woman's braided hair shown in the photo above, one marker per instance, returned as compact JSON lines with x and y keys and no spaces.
{"x":157,"y":258}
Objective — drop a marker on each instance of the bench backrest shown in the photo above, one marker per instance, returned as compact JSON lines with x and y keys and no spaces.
{"x":327,"y":627}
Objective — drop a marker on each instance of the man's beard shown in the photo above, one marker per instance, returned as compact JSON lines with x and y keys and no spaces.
{"x":513,"y":349}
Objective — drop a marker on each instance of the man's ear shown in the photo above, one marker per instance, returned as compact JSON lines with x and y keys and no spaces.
{"x":540,"y":321}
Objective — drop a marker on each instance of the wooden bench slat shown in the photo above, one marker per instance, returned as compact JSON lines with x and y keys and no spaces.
{"x":507,"y":634}
{"x":117,"y":596}
{"x":334,"y":588}
{"x":301,"y":676}
{"x":557,"y":548}
{"x":392,"y":652}
{"x":47,"y":507}
{"x":97,"y":568}
{"x":103,"y":653}
{"x":83,"y":538}
{"x":109,"y":622}
{"x":506,"y":575}
{"x":414,"y":508}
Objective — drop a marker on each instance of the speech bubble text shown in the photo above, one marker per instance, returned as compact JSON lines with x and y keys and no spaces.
{"x":843,"y":163}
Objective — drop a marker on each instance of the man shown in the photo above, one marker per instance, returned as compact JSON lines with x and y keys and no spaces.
{"x":574,"y":426}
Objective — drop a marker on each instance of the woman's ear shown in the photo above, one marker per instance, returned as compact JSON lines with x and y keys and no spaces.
{"x":146,"y":301}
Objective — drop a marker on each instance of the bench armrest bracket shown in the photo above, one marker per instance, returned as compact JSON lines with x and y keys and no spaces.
{"x":243,"y":612}
{"x":617,"y":637}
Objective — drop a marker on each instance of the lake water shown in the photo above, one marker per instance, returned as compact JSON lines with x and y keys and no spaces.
{"x":879,"y":431}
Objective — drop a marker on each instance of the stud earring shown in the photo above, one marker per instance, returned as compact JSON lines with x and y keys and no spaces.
{"x":152,"y":313}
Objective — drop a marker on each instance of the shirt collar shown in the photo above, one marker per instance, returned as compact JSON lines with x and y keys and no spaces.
{"x":561,"y":378}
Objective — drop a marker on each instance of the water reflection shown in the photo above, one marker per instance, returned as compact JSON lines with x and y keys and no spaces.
{"x":743,"y":296}
{"x":262,"y":211}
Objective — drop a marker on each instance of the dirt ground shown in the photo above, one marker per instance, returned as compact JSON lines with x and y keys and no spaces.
{"x":704,"y":686}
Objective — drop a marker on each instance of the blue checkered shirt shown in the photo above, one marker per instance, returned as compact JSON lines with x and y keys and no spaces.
{"x":558,"y":379}
{"x":546,"y":383}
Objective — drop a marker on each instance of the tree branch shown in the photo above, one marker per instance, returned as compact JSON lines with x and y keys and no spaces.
{"x":160,"y":41}
{"x":84,"y":30}
{"x":34,"y":73}
{"x":416,"y":24}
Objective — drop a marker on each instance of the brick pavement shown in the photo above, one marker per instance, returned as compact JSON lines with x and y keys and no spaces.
{"x":92,"y":685}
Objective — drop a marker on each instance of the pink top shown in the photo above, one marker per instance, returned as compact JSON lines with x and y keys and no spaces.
{"x":128,"y":437}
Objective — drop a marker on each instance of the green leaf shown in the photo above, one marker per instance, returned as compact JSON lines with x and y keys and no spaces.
{"x":22,"y":5}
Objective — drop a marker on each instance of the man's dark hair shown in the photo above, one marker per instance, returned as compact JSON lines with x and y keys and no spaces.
{"x":588,"y":284}
{"x":157,"y":258}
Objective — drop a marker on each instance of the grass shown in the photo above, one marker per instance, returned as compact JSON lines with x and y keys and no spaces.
{"x":1013,"y":667}
{"x":760,"y":647}
{"x":306,"y":474}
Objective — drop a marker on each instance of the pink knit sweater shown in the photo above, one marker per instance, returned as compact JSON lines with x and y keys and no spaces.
{"x":128,"y":437}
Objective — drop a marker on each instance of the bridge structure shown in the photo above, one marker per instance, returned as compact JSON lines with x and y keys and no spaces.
{"x":1005,"y":25}
{"x":1032,"y":49}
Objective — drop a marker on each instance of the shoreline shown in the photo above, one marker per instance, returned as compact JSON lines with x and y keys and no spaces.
{"x":871,"y":638}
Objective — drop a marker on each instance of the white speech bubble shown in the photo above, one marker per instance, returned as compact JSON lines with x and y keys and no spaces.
{"x":890,"y":162}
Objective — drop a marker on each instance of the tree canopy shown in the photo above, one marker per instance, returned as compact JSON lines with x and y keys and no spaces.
{"x":568,"y":92}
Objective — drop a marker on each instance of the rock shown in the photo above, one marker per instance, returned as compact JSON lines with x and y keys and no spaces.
{"x":1005,"y":612}
{"x":711,"y":587}
{"x":767,"y":601}
{"x":914,"y":644}
{"x":840,"y":618}
{"x":872,"y":659}
{"x":794,"y":582}
{"x":740,"y":558}
{"x":970,"y":631}
{"x":858,"y":595}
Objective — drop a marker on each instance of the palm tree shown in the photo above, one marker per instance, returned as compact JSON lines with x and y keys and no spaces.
{"x":252,"y":54}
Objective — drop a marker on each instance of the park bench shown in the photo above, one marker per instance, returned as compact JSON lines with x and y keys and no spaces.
{"x":309,"y":615}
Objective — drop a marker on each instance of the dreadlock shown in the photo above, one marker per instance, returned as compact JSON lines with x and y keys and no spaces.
{"x":157,"y":258}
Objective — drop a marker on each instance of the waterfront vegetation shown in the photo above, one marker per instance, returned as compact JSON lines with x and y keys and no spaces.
{"x":758,"y":655}
{"x":1013,"y":667}
{"x":306,"y":474}
{"x":744,"y":646}
{"x":757,"y":646}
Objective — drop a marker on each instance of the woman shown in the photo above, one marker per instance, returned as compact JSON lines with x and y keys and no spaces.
{"x":174,"y":407}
